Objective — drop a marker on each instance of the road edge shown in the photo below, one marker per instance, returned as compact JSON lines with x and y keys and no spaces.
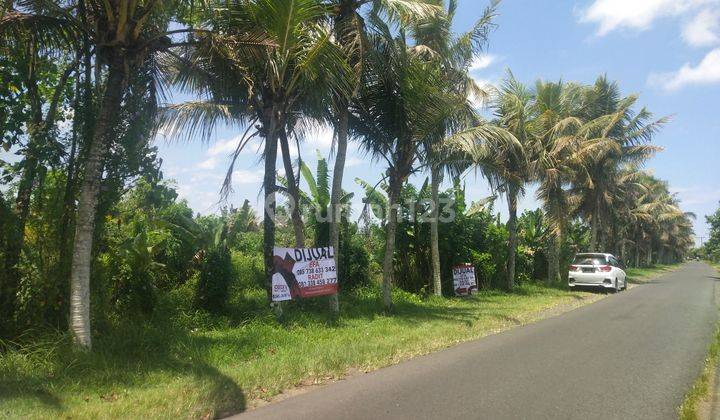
{"x":701,"y":401}
{"x":531,"y":318}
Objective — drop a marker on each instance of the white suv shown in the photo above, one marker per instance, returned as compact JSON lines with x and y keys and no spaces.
{"x":597,"y":270}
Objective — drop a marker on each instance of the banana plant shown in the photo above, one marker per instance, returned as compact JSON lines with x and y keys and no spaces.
{"x":317,"y":199}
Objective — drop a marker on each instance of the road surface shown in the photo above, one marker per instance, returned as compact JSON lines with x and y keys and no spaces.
{"x":630,"y":356}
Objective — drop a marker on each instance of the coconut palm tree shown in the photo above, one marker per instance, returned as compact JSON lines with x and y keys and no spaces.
{"x":554,"y":151}
{"x":127,"y":34}
{"x":400,"y":103}
{"x":453,"y":54}
{"x":631,"y":131}
{"x":629,"y":212}
{"x":269,"y":90}
{"x":664,"y":226}
{"x":560,"y":148}
{"x":351,"y":35}
{"x":514,"y":168}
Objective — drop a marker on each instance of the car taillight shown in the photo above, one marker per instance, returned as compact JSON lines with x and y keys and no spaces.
{"x":605,"y":268}
{"x":573,"y":268}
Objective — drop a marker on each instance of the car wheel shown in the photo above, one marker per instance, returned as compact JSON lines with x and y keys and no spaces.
{"x":617,"y":288}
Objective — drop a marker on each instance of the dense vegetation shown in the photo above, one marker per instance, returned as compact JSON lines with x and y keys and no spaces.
{"x":91,"y":230}
{"x":711,"y":248}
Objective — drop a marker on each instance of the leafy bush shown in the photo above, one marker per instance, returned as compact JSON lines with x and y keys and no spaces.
{"x":214,"y":281}
{"x":478,"y":238}
{"x":249,"y":269}
{"x":354,"y":259}
{"x":525,"y":265}
{"x":133,"y":292}
{"x":485,"y":269}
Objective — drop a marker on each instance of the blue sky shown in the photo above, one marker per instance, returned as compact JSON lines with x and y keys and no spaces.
{"x":667,"y":51}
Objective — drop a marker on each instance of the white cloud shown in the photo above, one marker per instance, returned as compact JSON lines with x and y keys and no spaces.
{"x":355,"y":161}
{"x":244,"y":176}
{"x":706,"y":72}
{"x":704,"y":29}
{"x":199,"y":199}
{"x":636,"y":14}
{"x":694,"y":196}
{"x":207,"y":177}
{"x":482,"y":61}
{"x":320,"y":138}
{"x":209,"y":163}
{"x":228,"y":146}
{"x":225,"y":146}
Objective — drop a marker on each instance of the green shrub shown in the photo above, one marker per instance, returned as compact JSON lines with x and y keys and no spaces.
{"x":354,"y":259}
{"x":524,"y":265}
{"x":249,"y":269}
{"x":133,"y":291}
{"x":485,"y":269}
{"x":214,"y":281}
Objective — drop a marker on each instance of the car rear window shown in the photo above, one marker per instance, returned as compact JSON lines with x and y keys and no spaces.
{"x":589,"y":260}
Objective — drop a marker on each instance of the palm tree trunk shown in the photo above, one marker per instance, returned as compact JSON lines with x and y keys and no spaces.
{"x":649,"y":253}
{"x":512,"y":236}
{"x":594,"y":228}
{"x":553,"y":259}
{"x":391,"y":228}
{"x":293,"y":190}
{"x":269,"y":208}
{"x":68,"y":210}
{"x":435,"y":179}
{"x":595,"y":241}
{"x":85,"y":225}
{"x":63,"y":266}
{"x":336,"y":194}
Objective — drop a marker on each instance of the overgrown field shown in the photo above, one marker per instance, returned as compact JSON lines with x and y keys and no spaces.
{"x":184,"y":363}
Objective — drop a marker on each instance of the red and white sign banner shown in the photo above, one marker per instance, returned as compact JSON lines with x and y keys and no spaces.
{"x":303,"y":273}
{"x":464,"y":282}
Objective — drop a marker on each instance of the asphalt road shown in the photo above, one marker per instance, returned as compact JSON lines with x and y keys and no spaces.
{"x":630,"y":356}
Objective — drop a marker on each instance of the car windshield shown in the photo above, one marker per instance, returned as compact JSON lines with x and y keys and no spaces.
{"x":589,"y":260}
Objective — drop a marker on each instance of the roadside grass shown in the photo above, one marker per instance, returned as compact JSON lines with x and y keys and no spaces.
{"x":705,"y":385}
{"x":643,"y":274}
{"x":192,"y":365}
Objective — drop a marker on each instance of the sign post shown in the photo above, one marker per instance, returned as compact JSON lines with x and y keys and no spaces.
{"x":303,"y":273}
{"x":464,"y":282}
